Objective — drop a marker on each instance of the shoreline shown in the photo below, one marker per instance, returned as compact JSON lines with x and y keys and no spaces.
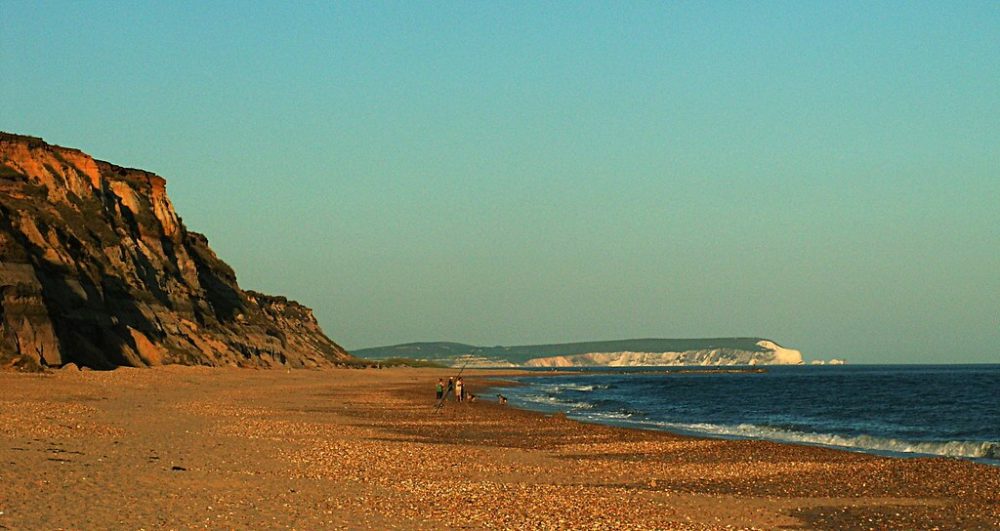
{"x":180,"y":447}
{"x":894,"y":454}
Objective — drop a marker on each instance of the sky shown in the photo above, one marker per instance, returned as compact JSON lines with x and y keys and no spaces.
{"x":823,"y":174}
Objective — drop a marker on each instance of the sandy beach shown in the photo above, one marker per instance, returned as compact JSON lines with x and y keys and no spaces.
{"x":190,"y":447}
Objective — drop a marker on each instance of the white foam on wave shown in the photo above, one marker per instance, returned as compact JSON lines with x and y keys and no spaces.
{"x":973,"y":449}
{"x":609,"y":415}
{"x":580,"y":387}
{"x":552,"y":401}
{"x":561,"y":387}
{"x":584,"y":411}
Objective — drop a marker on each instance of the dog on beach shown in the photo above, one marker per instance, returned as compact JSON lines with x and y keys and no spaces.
{"x":502,"y":399}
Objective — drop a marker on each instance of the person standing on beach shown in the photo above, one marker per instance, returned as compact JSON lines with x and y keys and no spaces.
{"x":459,"y":390}
{"x":440,"y":389}
{"x":451,"y":386}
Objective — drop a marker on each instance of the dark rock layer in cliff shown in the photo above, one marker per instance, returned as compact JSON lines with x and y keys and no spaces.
{"x":96,"y":269}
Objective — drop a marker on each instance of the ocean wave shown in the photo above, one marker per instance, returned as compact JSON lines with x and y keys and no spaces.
{"x":939,"y":411}
{"x":973,"y":449}
{"x":611,"y":415}
{"x":616,"y":412}
{"x":550,"y":397}
{"x":580,"y":388}
{"x":553,"y":401}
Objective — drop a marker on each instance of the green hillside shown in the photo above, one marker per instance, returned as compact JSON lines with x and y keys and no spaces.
{"x":443,"y":351}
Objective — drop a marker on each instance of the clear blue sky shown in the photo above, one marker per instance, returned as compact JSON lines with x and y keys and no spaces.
{"x":825,"y":174}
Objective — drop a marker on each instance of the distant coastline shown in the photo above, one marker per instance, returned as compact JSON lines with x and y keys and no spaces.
{"x":733,"y":351}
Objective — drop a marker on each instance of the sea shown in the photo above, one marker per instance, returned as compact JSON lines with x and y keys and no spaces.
{"x":900,"y":410}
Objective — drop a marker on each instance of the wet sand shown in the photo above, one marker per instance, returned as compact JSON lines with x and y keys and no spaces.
{"x":187,"y":447}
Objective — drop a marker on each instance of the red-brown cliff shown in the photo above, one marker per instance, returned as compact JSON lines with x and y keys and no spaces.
{"x":97,"y":269}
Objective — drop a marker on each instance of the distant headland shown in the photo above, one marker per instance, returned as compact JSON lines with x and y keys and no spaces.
{"x":618,"y":353}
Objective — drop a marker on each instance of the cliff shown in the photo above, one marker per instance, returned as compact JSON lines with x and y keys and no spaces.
{"x":771,"y":354}
{"x":626,"y":352}
{"x":97,"y":269}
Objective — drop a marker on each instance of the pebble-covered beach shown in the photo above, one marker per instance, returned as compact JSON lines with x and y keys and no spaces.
{"x":189,"y":447}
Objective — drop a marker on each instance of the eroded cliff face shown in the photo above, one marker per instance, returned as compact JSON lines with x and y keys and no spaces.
{"x":97,"y":269}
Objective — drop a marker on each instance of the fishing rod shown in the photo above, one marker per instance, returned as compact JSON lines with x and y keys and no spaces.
{"x":440,"y":404}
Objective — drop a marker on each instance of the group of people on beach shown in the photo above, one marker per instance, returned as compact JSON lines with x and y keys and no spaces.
{"x":456,"y":388}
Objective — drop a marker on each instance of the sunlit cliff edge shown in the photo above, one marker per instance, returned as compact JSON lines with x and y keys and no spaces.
{"x":98,"y":270}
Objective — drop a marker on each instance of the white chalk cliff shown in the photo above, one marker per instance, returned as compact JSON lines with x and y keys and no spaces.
{"x":770,"y":354}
